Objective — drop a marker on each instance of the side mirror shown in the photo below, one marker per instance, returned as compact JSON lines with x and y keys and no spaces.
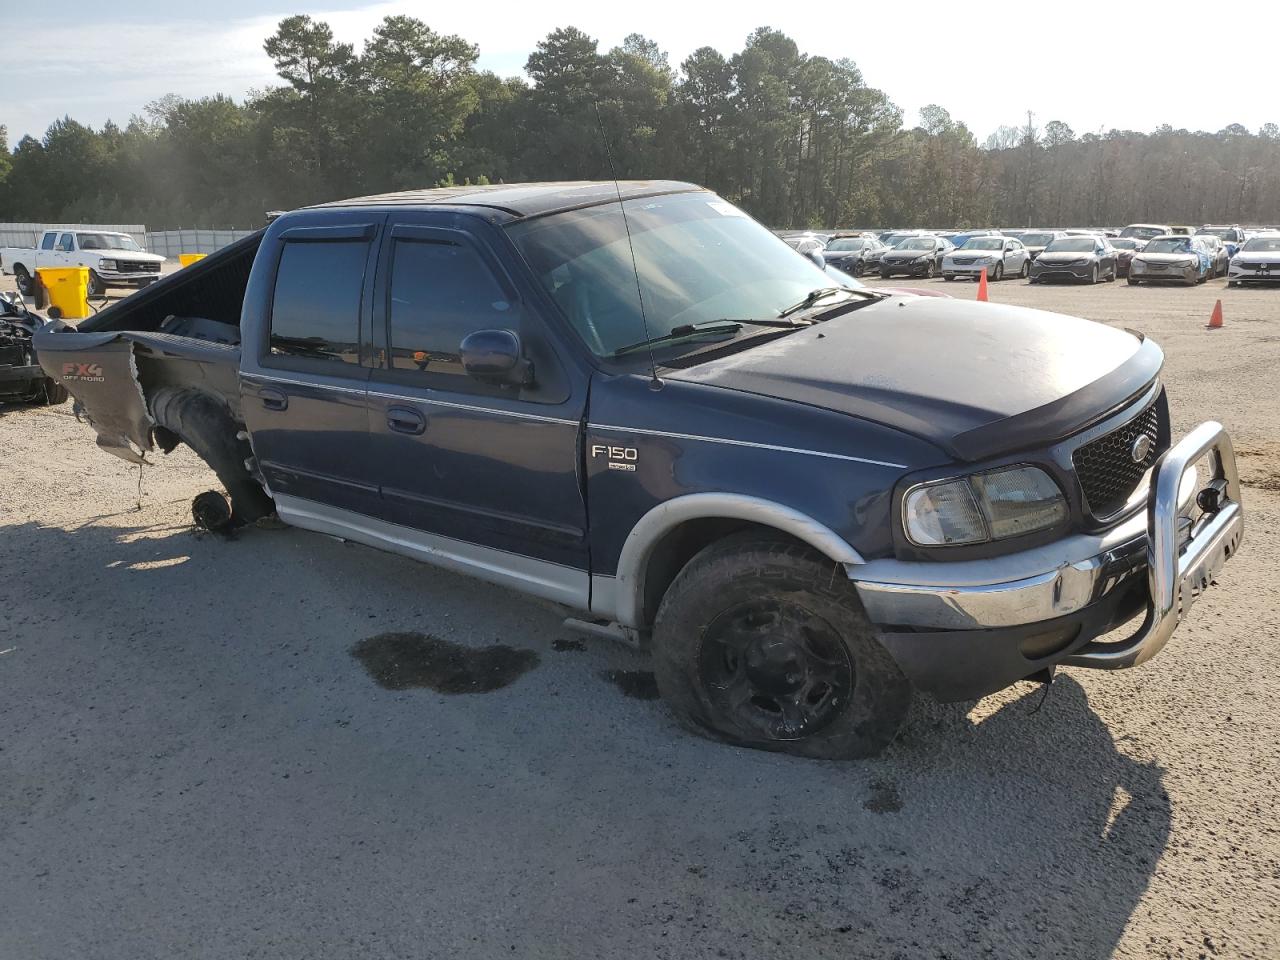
{"x":817,"y":257}
{"x":495,"y":356}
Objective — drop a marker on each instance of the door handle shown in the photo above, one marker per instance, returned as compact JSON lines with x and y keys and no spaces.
{"x":406,"y":420}
{"x":273,"y":399}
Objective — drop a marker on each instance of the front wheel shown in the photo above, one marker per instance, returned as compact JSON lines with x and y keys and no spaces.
{"x":97,"y":286}
{"x":24,"y":281}
{"x":1132,"y":282}
{"x":884,"y":274}
{"x":998,"y":274}
{"x":761,"y":643}
{"x":1025,"y":271}
{"x":1093,"y":275}
{"x":930,"y":271}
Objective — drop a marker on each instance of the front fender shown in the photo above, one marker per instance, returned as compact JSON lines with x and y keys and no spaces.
{"x":621,"y":597}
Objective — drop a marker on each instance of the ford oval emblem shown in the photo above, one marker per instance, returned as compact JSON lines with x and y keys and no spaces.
{"x":1141,"y":447}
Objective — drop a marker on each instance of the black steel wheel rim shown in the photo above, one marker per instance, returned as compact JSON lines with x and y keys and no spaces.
{"x":774,"y":669}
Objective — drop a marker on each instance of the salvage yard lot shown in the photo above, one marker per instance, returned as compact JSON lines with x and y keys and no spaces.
{"x":194,"y":764}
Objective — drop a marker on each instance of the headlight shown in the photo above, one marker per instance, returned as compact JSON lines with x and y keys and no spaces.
{"x":985,"y":506}
{"x":106,"y":264}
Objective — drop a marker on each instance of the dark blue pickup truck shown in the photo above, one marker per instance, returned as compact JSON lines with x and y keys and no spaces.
{"x":809,"y":500}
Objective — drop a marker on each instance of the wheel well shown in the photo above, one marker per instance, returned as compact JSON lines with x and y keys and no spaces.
{"x":678,"y":546}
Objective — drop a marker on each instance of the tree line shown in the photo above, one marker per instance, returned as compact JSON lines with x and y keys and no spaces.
{"x":797,"y":140}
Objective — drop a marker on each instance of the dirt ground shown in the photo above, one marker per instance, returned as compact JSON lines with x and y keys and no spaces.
{"x":195,"y":761}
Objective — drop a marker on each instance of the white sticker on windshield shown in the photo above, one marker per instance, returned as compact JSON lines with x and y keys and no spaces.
{"x":725,"y":209}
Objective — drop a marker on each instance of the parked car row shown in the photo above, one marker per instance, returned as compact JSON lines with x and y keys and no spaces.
{"x":1140,"y":252}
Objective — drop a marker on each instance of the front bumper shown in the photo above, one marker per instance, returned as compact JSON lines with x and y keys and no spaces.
{"x":1248,"y":274}
{"x":966,"y":629}
{"x":112,"y":279}
{"x":1139,"y":271}
{"x":1063,"y":271}
{"x":905,"y":269}
{"x":974,"y":270}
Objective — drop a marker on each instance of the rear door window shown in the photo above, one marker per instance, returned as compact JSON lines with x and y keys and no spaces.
{"x":440,"y":292}
{"x":315,"y":311}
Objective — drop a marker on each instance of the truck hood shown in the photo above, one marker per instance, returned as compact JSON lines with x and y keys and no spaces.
{"x":123,"y":254}
{"x":975,"y":379}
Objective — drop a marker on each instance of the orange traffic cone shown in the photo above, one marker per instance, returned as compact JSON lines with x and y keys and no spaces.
{"x":1215,"y":318}
{"x":982,"y":286}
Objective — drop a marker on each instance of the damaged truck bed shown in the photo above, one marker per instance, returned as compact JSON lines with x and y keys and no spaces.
{"x":162,"y":368}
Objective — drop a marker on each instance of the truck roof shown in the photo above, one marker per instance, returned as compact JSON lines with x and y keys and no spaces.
{"x":522,"y":199}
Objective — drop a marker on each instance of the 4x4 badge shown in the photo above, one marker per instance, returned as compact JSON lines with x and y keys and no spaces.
{"x":619,"y":458}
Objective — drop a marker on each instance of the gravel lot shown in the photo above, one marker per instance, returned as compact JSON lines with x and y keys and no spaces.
{"x":193,"y":764}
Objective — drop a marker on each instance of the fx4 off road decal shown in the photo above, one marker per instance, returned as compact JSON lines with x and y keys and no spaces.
{"x":619,"y":458}
{"x":84,"y":372}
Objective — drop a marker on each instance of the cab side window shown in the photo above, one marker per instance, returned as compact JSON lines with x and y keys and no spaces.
{"x":49,"y":240}
{"x":66,"y":243}
{"x":440,"y":292}
{"x":315,"y":311}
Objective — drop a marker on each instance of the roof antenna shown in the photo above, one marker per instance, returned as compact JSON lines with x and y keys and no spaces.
{"x":655,"y":383}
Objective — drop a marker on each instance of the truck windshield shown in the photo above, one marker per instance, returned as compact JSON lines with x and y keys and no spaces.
{"x":108,"y":241}
{"x":699,"y":259}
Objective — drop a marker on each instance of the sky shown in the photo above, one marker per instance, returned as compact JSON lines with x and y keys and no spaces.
{"x":1095,"y":66}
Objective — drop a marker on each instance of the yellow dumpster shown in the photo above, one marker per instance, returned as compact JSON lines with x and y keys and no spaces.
{"x":68,"y":289}
{"x":187,"y":259}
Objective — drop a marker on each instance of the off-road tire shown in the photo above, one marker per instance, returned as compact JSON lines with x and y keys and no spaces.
{"x":758,"y":568}
{"x":203,"y":422}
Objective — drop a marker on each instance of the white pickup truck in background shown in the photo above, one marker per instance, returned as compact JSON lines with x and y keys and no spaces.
{"x":113,"y":259}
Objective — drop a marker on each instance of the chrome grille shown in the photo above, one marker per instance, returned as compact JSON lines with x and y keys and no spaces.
{"x":1106,"y":469}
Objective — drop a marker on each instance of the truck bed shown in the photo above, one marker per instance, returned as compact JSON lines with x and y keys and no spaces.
{"x":183,"y":332}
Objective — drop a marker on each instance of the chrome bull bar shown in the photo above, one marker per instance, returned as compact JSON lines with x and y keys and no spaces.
{"x":1183,"y":555}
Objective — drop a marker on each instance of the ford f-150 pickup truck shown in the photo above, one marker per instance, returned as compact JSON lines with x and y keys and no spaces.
{"x":810,"y":501}
{"x":113,"y":259}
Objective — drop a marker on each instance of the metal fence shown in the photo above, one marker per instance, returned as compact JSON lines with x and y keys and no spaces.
{"x":27,"y":234}
{"x":170,"y":243}
{"x":167,"y":243}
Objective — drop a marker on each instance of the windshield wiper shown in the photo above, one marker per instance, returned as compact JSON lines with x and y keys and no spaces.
{"x":810,"y":298}
{"x":681,"y":332}
{"x":709,"y":327}
{"x":813,"y":296}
